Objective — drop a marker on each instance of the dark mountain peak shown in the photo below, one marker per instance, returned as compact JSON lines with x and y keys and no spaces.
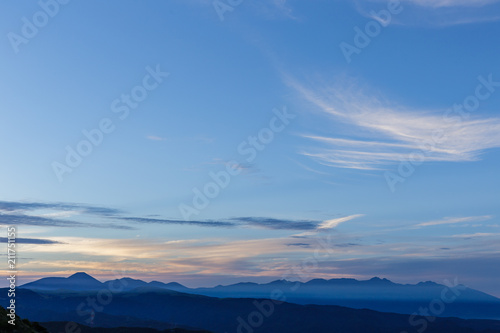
{"x":175,"y":284}
{"x":279,"y":282}
{"x":129,"y":279}
{"x":343,"y":281}
{"x":428,"y":284}
{"x":77,"y":281}
{"x":317,"y":281}
{"x":245,"y":284}
{"x":378,"y":280}
{"x":171,"y":285}
{"x":82,"y":276}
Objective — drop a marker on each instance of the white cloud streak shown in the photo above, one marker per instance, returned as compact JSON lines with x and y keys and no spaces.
{"x":435,"y":13}
{"x":453,"y":220}
{"x":450,"y":3}
{"x":155,"y":138}
{"x":477,"y":234}
{"x":328,"y":224}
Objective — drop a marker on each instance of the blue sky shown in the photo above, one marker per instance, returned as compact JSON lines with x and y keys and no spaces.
{"x":382,"y":143}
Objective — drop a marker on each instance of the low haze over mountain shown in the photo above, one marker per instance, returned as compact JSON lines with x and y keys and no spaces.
{"x":161,"y":309}
{"x":376,"y":293}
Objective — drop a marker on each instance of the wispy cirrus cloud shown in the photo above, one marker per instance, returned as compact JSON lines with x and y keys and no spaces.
{"x":451,"y":3}
{"x":384,"y":134}
{"x":453,"y":220}
{"x":436,"y":13}
{"x":477,"y":234}
{"x":329,"y":224}
{"x":155,"y":138}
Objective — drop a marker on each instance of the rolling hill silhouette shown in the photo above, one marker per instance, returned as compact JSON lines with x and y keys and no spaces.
{"x":149,"y":306}
{"x":375,"y":294}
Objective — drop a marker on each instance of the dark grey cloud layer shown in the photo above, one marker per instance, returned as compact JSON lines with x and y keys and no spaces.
{"x":261,"y":222}
{"x":299,"y":245}
{"x":23,"y":219}
{"x":205,"y":223}
{"x":278,"y":224}
{"x":87,"y":209}
{"x":30,"y":241}
{"x":15,"y":213}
